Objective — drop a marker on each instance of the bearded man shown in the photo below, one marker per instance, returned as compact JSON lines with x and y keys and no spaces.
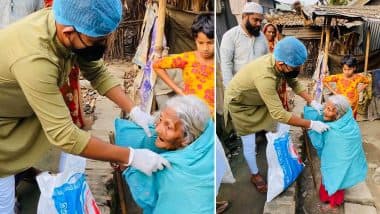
{"x":243,"y":43}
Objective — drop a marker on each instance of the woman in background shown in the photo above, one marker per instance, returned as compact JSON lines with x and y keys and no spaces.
{"x":272,"y":35}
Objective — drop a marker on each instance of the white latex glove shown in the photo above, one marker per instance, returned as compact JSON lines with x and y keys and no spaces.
{"x":142,"y":119}
{"x":147,"y":161}
{"x":317,"y":106}
{"x":318,"y":126}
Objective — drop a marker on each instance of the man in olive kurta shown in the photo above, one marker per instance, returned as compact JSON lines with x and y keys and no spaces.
{"x":252,"y":101}
{"x":36,"y":56}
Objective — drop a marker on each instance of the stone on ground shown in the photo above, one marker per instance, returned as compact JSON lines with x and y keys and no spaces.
{"x":359,"y":194}
{"x":350,"y":208}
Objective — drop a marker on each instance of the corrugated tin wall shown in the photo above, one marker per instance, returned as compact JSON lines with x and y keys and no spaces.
{"x":375,"y":35}
{"x":374,"y":26}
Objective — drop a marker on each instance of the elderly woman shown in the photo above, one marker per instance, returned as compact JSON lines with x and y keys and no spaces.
{"x":181,"y":122}
{"x":343,"y":163}
{"x":184,"y":135}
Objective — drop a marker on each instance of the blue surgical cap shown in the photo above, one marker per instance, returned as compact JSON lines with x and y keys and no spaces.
{"x":291,"y":51}
{"x":93,"y":18}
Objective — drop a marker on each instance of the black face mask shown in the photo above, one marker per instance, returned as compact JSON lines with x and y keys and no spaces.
{"x":91,"y":53}
{"x":292,"y":74}
{"x":255,"y":31}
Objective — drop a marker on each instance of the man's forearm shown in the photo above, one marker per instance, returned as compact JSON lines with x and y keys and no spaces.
{"x":227,"y":76}
{"x":100,"y":150}
{"x":226,"y":64}
{"x":117,"y":95}
{"x":306,"y":97}
{"x":298,"y":121}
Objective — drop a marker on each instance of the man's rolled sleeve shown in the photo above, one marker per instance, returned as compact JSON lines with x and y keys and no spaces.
{"x":37,"y":78}
{"x":79,"y":137}
{"x":96,"y":73}
{"x":266,"y":87}
{"x":296,"y":85}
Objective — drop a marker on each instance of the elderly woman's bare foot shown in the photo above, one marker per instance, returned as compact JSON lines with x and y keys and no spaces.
{"x":222,"y":206}
{"x":327,"y":208}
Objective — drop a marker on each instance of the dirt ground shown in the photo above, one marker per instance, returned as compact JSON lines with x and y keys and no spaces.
{"x":242,"y":195}
{"x":371,"y":138}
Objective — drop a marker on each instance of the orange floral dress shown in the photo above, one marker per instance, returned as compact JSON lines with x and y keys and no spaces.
{"x":198,"y":78}
{"x":348,"y":87}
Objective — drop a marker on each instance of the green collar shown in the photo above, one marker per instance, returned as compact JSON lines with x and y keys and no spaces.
{"x":58,"y":47}
{"x":273,"y":66}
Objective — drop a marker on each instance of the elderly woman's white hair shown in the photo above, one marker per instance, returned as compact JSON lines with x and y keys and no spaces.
{"x":193,"y":113}
{"x":341,"y":104}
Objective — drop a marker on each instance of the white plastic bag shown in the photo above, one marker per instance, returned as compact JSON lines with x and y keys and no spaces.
{"x":223,"y":169}
{"x":66,"y":192}
{"x":284,"y":164}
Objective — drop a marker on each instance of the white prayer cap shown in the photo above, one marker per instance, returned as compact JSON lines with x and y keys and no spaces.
{"x":252,"y":7}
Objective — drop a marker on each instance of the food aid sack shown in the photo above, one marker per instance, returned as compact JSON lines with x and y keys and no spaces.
{"x":223,"y":170}
{"x":66,"y":192}
{"x":284,"y":164}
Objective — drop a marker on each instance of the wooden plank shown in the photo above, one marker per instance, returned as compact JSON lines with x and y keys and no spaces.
{"x":119,"y":181}
{"x":308,"y":156}
{"x":302,"y":32}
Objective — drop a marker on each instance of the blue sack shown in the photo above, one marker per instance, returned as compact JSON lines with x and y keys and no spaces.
{"x":66,"y":196}
{"x":67,"y":191}
{"x":187,"y":187}
{"x":343,"y":163}
{"x":284,"y":164}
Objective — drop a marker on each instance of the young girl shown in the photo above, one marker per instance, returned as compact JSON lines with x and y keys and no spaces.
{"x":347,"y":82}
{"x":197,"y":66}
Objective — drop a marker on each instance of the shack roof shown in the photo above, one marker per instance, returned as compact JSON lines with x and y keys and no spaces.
{"x":365,"y":13}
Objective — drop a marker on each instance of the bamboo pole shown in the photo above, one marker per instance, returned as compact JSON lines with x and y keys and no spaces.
{"x":160,"y":29}
{"x":327,"y":42}
{"x":367,"y":47}
{"x":158,"y":47}
{"x":321,"y":42}
{"x":322,"y":35}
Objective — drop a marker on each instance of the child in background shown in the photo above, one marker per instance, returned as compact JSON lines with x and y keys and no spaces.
{"x":197,"y":66}
{"x":347,"y":82}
